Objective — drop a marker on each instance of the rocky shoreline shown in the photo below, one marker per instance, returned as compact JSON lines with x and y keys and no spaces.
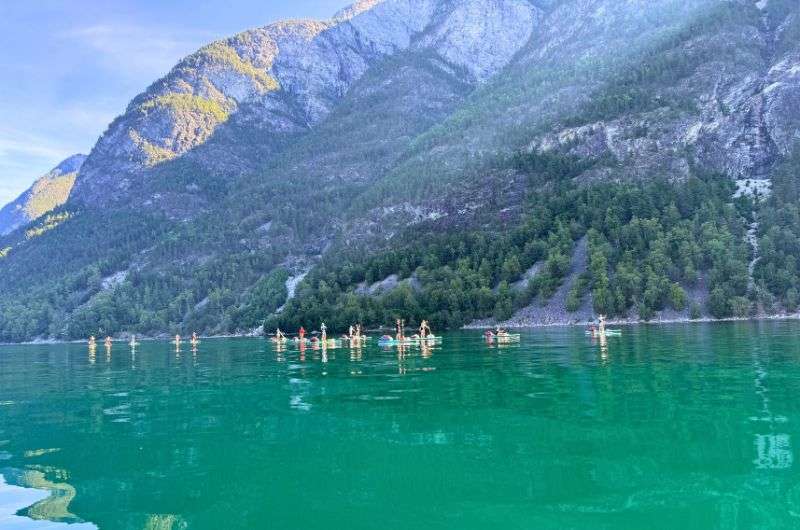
{"x":515,"y":323}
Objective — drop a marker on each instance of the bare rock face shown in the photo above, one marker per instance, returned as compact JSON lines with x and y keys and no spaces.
{"x":730,"y":103}
{"x":47,"y":193}
{"x":285,"y":78}
{"x":481,"y":36}
{"x":781,"y":103}
{"x":752,"y":120}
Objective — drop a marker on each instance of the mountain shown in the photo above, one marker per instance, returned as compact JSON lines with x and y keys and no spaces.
{"x":47,"y":193}
{"x":375,"y":164}
{"x":283,"y":80}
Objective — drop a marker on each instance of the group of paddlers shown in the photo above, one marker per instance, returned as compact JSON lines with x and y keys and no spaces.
{"x":496,"y":333}
{"x":355,"y":334}
{"x":423,"y":332}
{"x":500,"y":336}
{"x":194,"y":341}
{"x":109,"y":342}
{"x":280,"y":337}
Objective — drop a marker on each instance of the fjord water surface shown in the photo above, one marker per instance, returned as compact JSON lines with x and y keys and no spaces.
{"x":683,"y":426}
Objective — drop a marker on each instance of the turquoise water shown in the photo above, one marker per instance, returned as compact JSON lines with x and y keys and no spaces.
{"x":685,"y":426}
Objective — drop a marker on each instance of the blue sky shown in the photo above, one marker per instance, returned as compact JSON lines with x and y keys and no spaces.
{"x":70,"y":66}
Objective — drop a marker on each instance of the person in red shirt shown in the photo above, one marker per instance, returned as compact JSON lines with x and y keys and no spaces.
{"x":302,"y":333}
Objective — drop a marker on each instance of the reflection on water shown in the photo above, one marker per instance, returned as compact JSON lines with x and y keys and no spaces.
{"x":164,"y":522}
{"x":773,"y":451}
{"x":41,"y":504}
{"x":662,"y":427}
{"x":40,"y":452}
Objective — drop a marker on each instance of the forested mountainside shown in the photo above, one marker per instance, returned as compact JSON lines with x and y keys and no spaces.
{"x":463,"y":160}
{"x":47,"y":193}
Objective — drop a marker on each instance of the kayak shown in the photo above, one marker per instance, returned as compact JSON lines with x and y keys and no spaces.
{"x":505,"y":339}
{"x":609,"y":333}
{"x":354,"y":339}
{"x":329,"y":343}
{"x":385,"y":341}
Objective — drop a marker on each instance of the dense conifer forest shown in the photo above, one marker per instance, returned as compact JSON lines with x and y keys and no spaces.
{"x":649,"y":243}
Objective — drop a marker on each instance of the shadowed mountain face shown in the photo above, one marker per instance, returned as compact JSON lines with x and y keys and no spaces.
{"x":46,"y":194}
{"x":279,"y":146}
{"x":283,"y":80}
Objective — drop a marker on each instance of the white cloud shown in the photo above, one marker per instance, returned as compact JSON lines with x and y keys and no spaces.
{"x":94,"y":118}
{"x":138,"y":50}
{"x":16,"y":144}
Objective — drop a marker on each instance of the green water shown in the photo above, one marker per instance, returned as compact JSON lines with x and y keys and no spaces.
{"x":686,"y":426}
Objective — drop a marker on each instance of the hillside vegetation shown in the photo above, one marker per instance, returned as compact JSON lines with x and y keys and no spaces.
{"x":655,"y":241}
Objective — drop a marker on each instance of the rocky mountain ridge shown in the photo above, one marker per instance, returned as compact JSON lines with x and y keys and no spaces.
{"x":47,"y":193}
{"x":285,"y":78}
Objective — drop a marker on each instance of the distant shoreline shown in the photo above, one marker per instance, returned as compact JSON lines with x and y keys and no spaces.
{"x":631,"y":322}
{"x":468,"y":327}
